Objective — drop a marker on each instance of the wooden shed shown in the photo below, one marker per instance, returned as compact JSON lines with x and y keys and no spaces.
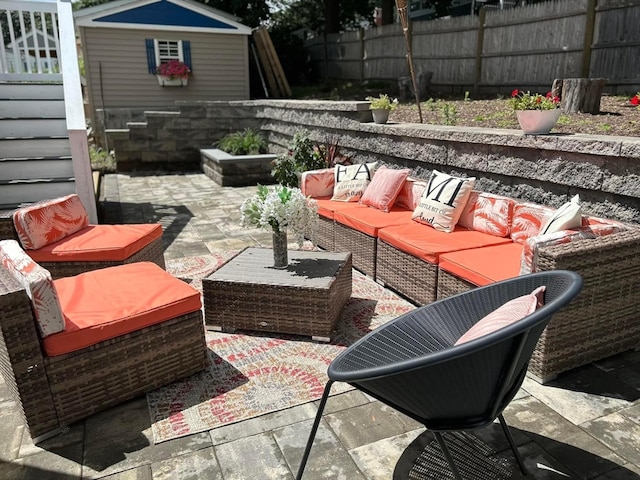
{"x":124,"y":41}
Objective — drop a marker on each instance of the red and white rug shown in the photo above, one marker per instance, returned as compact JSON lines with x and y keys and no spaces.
{"x":254,"y":374}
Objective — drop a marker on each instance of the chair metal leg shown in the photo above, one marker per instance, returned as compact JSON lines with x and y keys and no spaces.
{"x":505,"y":429}
{"x":314,"y":429}
{"x":447,"y":455}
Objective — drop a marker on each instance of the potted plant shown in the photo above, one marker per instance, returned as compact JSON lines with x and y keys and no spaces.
{"x":280,"y":209}
{"x":536,"y":113}
{"x":302,"y":155}
{"x":173,"y":73}
{"x":381,"y":106}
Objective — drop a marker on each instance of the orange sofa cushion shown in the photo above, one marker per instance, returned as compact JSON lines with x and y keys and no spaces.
{"x":370,"y":220}
{"x":328,"y":207}
{"x":428,"y":244}
{"x":114,"y":301}
{"x":482,"y":266}
{"x":97,"y":243}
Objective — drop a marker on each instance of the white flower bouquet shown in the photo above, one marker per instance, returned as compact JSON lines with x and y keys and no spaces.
{"x":280,"y":209}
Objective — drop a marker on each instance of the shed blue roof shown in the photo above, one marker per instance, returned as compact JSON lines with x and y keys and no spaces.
{"x":165,"y":13}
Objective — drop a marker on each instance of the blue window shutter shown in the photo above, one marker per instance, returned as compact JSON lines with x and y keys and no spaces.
{"x":151,"y":55}
{"x":186,"y":53}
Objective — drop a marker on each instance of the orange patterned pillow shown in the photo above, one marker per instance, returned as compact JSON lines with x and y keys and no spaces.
{"x":531,"y":246}
{"x":47,"y":222}
{"x":527,"y":219}
{"x":505,"y":315}
{"x":488,"y":213}
{"x":317,"y":183}
{"x":37,"y":283}
{"x":384,"y":188}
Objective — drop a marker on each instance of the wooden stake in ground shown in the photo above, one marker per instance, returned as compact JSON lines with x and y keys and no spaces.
{"x":401,"y":5}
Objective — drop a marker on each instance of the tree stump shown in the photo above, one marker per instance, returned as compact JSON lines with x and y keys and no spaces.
{"x":579,"y":94}
{"x":405,"y":86}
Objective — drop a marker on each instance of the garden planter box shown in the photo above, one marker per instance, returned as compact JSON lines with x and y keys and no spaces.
{"x":236,"y":170}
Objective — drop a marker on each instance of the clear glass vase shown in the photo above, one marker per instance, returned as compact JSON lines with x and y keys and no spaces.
{"x":280,"y":255}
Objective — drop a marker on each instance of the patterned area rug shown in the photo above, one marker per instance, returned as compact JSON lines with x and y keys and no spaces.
{"x":254,"y":374}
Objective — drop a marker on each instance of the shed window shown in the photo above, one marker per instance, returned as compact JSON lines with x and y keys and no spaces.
{"x":162,"y":51}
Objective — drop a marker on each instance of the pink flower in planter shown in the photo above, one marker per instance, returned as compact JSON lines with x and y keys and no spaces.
{"x":174,"y":69}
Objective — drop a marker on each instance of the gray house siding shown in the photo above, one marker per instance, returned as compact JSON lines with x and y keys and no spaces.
{"x":117,"y":74}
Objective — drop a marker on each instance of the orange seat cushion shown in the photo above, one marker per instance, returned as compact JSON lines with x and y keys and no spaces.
{"x":114,"y":301}
{"x":98,"y":243}
{"x":370,"y":220}
{"x":428,"y":244}
{"x":328,"y":207}
{"x":482,"y":266}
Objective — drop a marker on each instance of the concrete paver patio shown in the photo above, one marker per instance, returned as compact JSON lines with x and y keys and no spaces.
{"x":584,"y":425}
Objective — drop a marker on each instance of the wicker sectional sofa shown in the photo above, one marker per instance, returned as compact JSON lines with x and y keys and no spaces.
{"x":425,"y":265}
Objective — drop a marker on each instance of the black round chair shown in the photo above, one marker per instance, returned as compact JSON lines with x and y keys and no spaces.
{"x":412,"y":364}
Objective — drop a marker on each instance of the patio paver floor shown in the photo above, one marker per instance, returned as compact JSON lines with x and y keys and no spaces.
{"x":585,"y":425}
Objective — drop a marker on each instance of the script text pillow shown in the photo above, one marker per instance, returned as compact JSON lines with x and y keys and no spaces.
{"x":351,"y":181}
{"x":566,"y":217}
{"x":38,"y":284}
{"x":47,"y":222}
{"x":442,"y":201}
{"x":505,"y":315}
{"x":384,"y":188}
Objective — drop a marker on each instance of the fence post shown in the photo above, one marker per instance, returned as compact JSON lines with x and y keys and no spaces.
{"x":361,"y":37}
{"x":589,"y":26}
{"x":479,"y":48}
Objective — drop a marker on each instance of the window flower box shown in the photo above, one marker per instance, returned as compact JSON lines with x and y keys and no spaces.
{"x":166,"y":81}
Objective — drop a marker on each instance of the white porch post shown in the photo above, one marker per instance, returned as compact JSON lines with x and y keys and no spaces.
{"x":76,"y":124}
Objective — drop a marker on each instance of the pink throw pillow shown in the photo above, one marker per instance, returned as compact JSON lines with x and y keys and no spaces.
{"x":505,"y":315}
{"x":317,"y":183}
{"x":384,"y":188}
{"x":38,"y":284}
{"x":410,"y":193}
{"x":47,"y":222}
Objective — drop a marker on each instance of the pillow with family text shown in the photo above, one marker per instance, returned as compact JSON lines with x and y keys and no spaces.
{"x":351,"y":181}
{"x":443,"y":200}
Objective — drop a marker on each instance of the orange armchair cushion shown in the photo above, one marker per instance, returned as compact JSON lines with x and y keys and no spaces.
{"x":114,"y":301}
{"x":328,"y":207}
{"x":97,"y":243}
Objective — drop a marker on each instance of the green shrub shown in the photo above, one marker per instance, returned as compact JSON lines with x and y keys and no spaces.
{"x":245,"y":142}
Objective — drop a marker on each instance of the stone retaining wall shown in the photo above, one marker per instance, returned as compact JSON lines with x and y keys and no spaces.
{"x":604,"y":170}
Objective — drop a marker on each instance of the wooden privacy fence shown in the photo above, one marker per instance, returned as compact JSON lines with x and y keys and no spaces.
{"x":498,"y":50}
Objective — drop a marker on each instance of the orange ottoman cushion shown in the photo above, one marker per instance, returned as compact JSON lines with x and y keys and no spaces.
{"x":482,"y":266}
{"x":97,"y":243}
{"x":428,"y":244}
{"x":114,"y":301}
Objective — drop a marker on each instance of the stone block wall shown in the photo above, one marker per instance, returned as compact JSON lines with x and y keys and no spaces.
{"x":603,"y":170}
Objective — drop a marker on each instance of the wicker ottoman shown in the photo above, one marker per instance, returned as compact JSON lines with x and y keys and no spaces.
{"x":304,"y":299}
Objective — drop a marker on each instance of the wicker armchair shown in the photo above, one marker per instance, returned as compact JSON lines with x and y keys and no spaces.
{"x":56,"y":233}
{"x":53,"y":391}
{"x":413,"y":365}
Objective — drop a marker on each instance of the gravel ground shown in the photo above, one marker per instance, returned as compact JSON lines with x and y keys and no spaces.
{"x":617,"y":116}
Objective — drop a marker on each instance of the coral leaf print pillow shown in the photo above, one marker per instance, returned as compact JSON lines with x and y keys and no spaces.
{"x":351,"y":181}
{"x":442,"y":201}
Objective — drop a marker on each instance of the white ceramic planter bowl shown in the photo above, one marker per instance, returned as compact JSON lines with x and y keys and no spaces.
{"x":537,"y":122}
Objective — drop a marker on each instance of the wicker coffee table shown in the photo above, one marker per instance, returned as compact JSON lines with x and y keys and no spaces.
{"x":304,"y":299}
